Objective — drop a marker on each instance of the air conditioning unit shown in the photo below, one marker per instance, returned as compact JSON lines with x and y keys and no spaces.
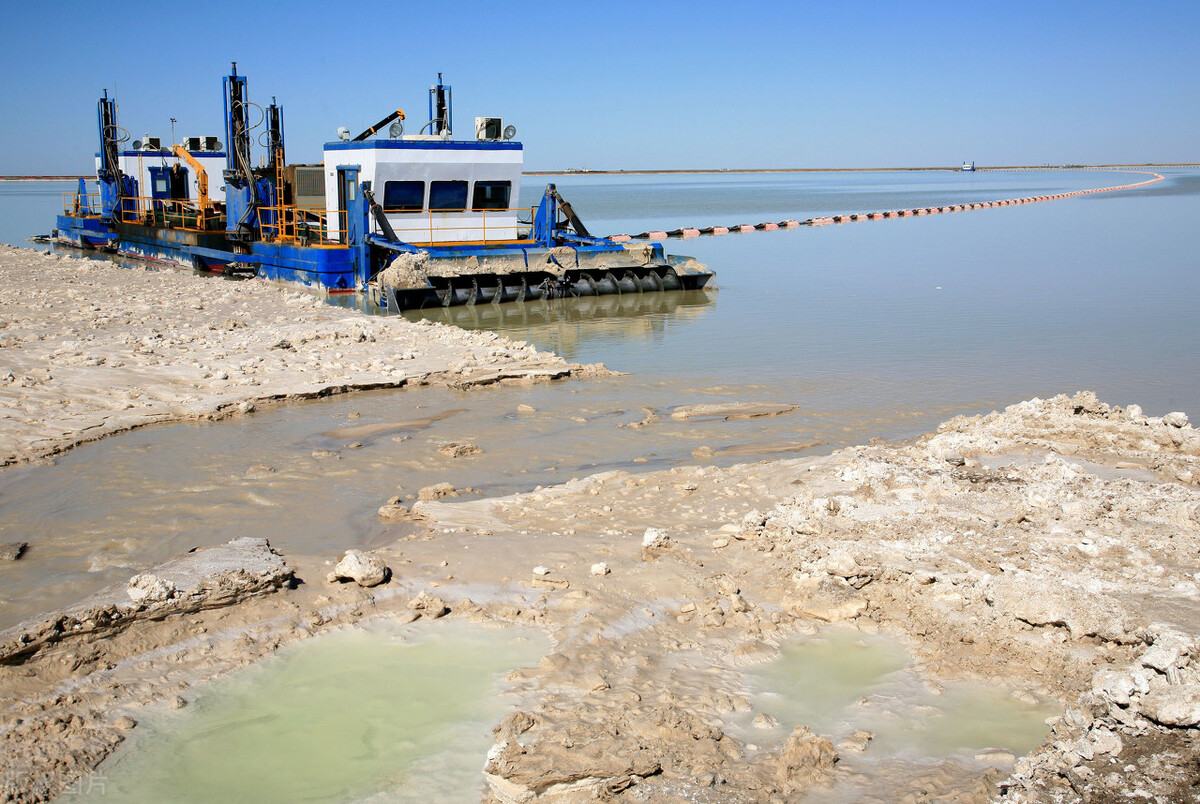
{"x":489,"y":128}
{"x":308,"y":185}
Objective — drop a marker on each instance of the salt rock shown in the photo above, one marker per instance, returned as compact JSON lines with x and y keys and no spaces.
{"x":429,"y":605}
{"x":1117,"y":687}
{"x":149,"y":589}
{"x":541,"y":570}
{"x":655,"y":538}
{"x":398,"y":512}
{"x":1174,"y":706}
{"x":456,"y":449}
{"x":1162,"y":657}
{"x":1032,"y":600}
{"x":828,"y":598}
{"x":362,"y":568}
{"x":12,"y":550}
{"x":654,"y":542}
{"x":805,"y":756}
{"x":513,"y":725}
{"x":437,"y":491}
{"x":841,"y":564}
{"x":855,"y":741}
{"x":600,"y":569}
{"x":1176,"y":419}
{"x":1106,"y":742}
{"x":764,"y":721}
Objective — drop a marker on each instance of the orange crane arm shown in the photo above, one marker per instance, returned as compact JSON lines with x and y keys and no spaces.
{"x":201,"y":173}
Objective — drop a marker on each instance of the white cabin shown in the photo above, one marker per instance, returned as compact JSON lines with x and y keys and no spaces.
{"x":435,"y":190}
{"x":137,"y":163}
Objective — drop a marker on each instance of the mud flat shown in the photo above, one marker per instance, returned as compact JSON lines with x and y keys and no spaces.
{"x":1049,"y":550}
{"x":88,"y":349}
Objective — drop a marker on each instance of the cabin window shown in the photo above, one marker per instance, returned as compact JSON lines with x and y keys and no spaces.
{"x":160,"y":186}
{"x":447,"y":196}
{"x":491,"y":195}
{"x":403,"y":196}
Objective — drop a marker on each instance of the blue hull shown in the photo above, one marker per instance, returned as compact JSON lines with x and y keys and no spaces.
{"x":532,"y":270}
{"x":328,"y":268}
{"x":83,"y":232}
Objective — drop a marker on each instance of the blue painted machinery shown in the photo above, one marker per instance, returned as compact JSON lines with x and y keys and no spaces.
{"x":345,"y":243}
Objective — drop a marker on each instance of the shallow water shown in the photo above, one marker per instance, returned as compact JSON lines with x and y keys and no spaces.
{"x":876,"y":329}
{"x":841,"y":681}
{"x":385,"y":713}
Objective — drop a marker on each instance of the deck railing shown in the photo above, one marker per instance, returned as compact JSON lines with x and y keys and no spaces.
{"x":309,"y":226}
{"x":422,"y":228}
{"x":81,"y":205}
{"x":300,"y":226}
{"x":170,"y":213}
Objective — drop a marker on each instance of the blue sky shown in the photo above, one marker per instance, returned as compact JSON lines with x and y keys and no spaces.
{"x":626,"y":84}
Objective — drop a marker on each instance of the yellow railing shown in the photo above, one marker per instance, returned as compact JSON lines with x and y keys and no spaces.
{"x":301,"y":226}
{"x":309,"y":226}
{"x":74,"y":204}
{"x":171,"y":213}
{"x":424,"y":227}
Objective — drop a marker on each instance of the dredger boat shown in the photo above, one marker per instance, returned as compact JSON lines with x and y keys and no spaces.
{"x":414,"y":220}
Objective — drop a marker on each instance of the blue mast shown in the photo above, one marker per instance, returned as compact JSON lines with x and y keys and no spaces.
{"x":441,"y":107}
{"x":241,"y":196}
{"x":114,"y":185}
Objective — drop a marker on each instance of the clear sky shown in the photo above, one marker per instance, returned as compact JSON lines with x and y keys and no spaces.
{"x":606,"y":85}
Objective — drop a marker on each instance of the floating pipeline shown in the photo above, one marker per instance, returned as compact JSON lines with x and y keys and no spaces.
{"x":873,"y":216}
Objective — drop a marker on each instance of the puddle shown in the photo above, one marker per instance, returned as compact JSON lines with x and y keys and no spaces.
{"x":841,"y":681}
{"x":110,"y":509}
{"x":369,"y":714}
{"x":817,"y":679}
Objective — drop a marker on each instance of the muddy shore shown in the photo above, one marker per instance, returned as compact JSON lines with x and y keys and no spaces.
{"x":88,"y":349}
{"x":1050,"y":549}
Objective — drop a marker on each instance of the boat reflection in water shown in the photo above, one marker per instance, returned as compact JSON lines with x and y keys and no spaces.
{"x":564,"y":325}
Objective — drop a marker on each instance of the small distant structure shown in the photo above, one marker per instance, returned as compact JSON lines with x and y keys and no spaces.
{"x":968,"y":167}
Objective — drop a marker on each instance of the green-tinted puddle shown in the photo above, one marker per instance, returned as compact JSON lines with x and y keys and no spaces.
{"x":385,"y":713}
{"x":839,"y":681}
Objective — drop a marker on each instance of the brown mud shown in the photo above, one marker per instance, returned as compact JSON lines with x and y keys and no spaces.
{"x":1050,"y":549}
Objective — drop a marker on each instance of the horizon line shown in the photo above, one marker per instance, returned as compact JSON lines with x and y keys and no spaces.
{"x":669,"y":171}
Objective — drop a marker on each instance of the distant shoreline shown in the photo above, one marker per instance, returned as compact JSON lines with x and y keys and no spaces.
{"x":45,"y":178}
{"x":952,"y":168}
{"x":690,"y":171}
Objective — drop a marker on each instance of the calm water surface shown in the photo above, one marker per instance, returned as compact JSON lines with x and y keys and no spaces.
{"x":838,"y":682}
{"x":386,"y":714}
{"x":876,"y":329}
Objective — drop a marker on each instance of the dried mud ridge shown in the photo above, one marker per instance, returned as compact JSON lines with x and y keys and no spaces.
{"x":1050,"y":548}
{"x":89,"y":349}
